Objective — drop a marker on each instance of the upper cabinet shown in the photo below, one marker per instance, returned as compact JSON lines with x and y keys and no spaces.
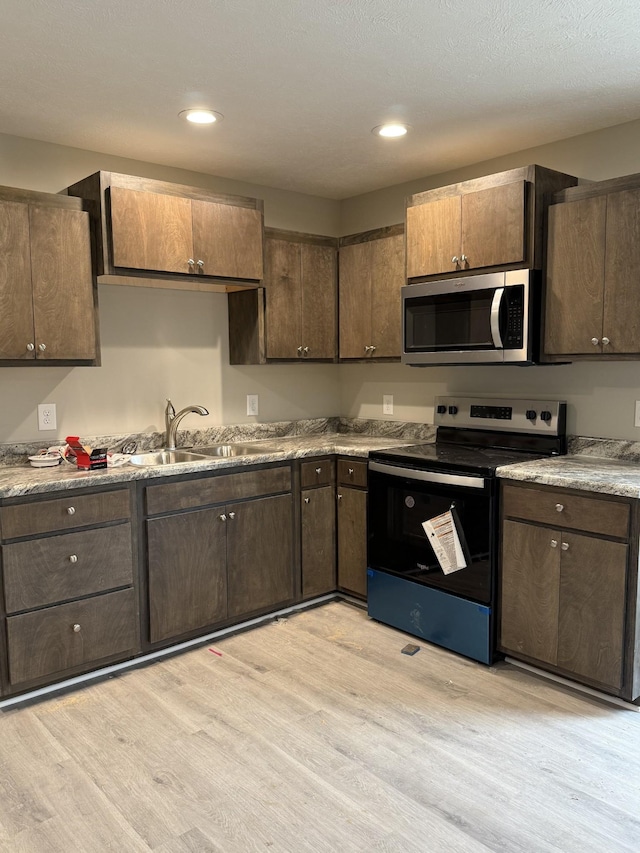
{"x":481,"y":224}
{"x":159,"y":234}
{"x":371,"y":275}
{"x":593,"y":259}
{"x":48,"y":298}
{"x":294,"y":317}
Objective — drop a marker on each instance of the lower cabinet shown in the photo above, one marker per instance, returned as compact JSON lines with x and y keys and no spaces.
{"x":568,"y":587}
{"x":352,"y":526}
{"x":318,"y":527}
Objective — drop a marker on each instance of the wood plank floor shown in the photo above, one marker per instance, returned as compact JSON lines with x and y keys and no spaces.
{"x":316,"y":734}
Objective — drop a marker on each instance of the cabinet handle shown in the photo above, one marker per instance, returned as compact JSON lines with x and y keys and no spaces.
{"x":305,"y":350}
{"x":191,"y":262}
{"x":200,"y":263}
{"x":554,"y":543}
{"x":606,"y":342}
{"x":565,"y":546}
{"x":299,"y":350}
{"x":339,"y":497}
{"x":373,"y":349}
{"x":366,"y":349}
{"x":307,"y":500}
{"x":318,"y":471}
{"x":222,"y":517}
{"x":455,"y":259}
{"x":73,"y":558}
{"x":76,"y":628}
{"x":350,"y":471}
{"x":232,"y":515}
{"x":30,"y":347}
{"x":463,"y":259}
{"x":42,"y":347}
{"x":71,"y":510}
{"x":559,"y":507}
{"x":595,"y":341}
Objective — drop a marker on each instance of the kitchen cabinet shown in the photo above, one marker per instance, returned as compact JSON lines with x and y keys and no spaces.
{"x":158,"y":234}
{"x":569,"y":585}
{"x":48,"y":299}
{"x":219,"y":547}
{"x":371,"y":273}
{"x":317,"y":527}
{"x":481,"y":224}
{"x":352,"y":526}
{"x":294,"y":317}
{"x":69,"y":586}
{"x":593,"y":258}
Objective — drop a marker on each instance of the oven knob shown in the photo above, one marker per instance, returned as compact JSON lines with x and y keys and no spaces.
{"x":545,"y":415}
{"x":441,"y":410}
{"x":453,"y":410}
{"x":531,"y":415}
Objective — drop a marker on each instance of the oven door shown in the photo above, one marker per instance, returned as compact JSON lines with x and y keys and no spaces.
{"x":402,"y":498}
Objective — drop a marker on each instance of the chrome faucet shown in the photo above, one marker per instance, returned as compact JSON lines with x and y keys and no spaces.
{"x":171,"y":421}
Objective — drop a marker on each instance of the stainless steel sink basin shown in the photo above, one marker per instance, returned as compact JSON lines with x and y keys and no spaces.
{"x":165,"y":457}
{"x":238,"y":449}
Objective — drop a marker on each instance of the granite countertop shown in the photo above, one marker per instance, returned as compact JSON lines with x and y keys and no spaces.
{"x":20,"y":480}
{"x":586,"y":472}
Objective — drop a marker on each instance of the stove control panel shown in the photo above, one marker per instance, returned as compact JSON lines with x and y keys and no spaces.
{"x":540,"y":417}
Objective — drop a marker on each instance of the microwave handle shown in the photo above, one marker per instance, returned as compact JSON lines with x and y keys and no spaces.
{"x":495,"y":317}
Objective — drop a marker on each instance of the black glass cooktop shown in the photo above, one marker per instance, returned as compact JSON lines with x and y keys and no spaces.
{"x":451,"y":457}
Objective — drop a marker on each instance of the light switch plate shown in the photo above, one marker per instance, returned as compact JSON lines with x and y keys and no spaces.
{"x":47,"y":416}
{"x":387,"y":404}
{"x":252,"y":404}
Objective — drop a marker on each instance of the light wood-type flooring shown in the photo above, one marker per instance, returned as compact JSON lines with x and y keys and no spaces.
{"x":316,"y":734}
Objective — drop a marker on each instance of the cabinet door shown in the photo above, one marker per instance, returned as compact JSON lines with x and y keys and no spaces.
{"x":387,"y":277}
{"x":318,"y":541}
{"x":433,"y":237}
{"x":355,"y":300}
{"x":319,"y":298}
{"x":187,"y":572}
{"x":63,"y":296}
{"x":493,"y":226}
{"x":622,"y":261}
{"x":260,"y":554}
{"x":352,"y":540}
{"x":530,"y":590}
{"x":592,"y":608}
{"x":283,"y":296}
{"x":228,"y":240}
{"x":151,"y":231}
{"x":575,"y":276}
{"x":16,"y":311}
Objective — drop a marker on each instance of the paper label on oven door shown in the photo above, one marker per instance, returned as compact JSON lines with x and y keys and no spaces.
{"x":445,"y":540}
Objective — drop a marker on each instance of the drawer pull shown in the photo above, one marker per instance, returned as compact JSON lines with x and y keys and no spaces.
{"x":318,"y":470}
{"x":73,"y":558}
{"x":559,"y":507}
{"x":565,"y":546}
{"x":76,"y":628}
{"x":350,"y":471}
{"x":232,"y":515}
{"x":71,"y":510}
{"x":307,"y":500}
{"x":554,"y":543}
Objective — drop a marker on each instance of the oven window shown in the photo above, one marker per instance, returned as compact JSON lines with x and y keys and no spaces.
{"x":449,"y":321}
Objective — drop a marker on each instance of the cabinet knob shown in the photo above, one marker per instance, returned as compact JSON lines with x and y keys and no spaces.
{"x":30,"y":347}
{"x":455,"y":259}
{"x":222,"y":517}
{"x":299,"y":350}
{"x":307,"y":500}
{"x":71,"y":510}
{"x":200,"y":263}
{"x":559,"y":507}
{"x":565,"y":546}
{"x":76,"y":628}
{"x":606,"y":342}
{"x":595,"y":341}
{"x":305,"y":350}
{"x":318,"y":471}
{"x":191,"y":262}
{"x":339,"y":496}
{"x":373,"y":349}
{"x":42,"y":347}
{"x":73,"y":558}
{"x":554,"y":543}
{"x":463,"y":259}
{"x":350,"y":471}
{"x":232,"y":515}
{"x":366,"y":349}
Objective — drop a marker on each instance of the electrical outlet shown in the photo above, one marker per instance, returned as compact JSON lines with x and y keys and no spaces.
{"x":47,"y":416}
{"x":387,"y":404}
{"x":637,"y":420}
{"x":252,"y":404}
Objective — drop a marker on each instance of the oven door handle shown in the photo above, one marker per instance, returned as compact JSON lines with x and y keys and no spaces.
{"x":495,"y":317}
{"x":429,"y":476}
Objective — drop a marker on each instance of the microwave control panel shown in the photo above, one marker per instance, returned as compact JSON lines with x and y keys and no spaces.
{"x":546,"y":417}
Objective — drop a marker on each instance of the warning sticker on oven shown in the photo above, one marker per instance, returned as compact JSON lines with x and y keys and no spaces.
{"x":446,"y":541}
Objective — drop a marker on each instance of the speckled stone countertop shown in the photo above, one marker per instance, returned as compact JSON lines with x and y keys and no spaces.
{"x":610,"y":476}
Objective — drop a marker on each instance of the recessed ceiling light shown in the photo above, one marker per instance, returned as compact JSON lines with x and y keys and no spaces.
{"x":201,"y":116}
{"x":391,"y":131}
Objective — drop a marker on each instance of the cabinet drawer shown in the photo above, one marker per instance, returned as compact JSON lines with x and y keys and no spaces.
{"x":44,"y":642}
{"x":31,"y":519}
{"x":352,"y":473}
{"x":221,"y":489}
{"x":318,"y":473}
{"x":45,"y":571}
{"x":559,"y":509}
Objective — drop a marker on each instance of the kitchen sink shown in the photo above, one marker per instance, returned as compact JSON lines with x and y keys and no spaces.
{"x":238,"y":449}
{"x":165,"y":457}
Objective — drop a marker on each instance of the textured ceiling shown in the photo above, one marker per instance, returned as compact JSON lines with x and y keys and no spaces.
{"x":302,"y":82}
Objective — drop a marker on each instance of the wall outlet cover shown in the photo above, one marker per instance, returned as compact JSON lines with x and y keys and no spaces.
{"x":252,"y":404}
{"x":47,"y":416}
{"x":637,"y":418}
{"x":387,"y":404}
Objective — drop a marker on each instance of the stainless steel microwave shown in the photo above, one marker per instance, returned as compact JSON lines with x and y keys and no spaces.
{"x":480,"y":319}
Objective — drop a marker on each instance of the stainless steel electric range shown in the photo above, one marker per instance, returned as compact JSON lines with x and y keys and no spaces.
{"x":439,"y":581}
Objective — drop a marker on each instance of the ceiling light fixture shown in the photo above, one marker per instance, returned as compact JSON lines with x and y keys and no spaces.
{"x":391,"y":131}
{"x":201,"y":116}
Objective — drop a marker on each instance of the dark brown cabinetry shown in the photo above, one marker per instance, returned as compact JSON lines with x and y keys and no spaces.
{"x":294,"y":316}
{"x":593,"y":258}
{"x":371,"y":273}
{"x":154,"y":233}
{"x":484,"y":223}
{"x":70,"y":597}
{"x":352,"y":526}
{"x":568,"y":585}
{"x":47,"y":294}
{"x":318,"y":527}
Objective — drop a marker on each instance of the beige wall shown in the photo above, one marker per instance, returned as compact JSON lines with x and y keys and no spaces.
{"x":160,"y":343}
